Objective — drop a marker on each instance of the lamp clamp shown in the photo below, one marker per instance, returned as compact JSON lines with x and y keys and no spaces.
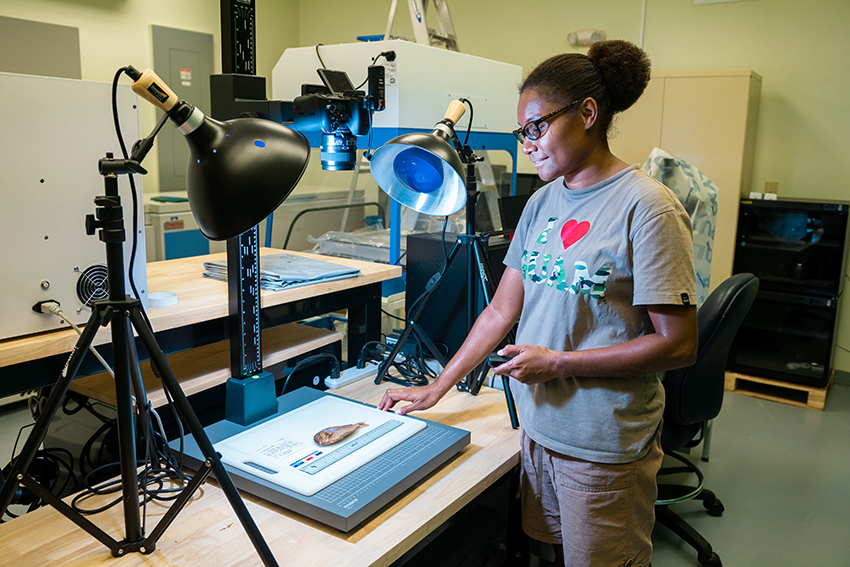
{"x":109,"y":165}
{"x":468,"y":155}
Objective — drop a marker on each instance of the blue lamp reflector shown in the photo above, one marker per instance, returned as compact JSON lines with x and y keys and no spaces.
{"x":422,"y":172}
{"x":419,"y":170}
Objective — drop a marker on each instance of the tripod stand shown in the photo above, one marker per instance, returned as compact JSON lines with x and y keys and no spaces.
{"x":477,"y":265}
{"x":121,"y":312}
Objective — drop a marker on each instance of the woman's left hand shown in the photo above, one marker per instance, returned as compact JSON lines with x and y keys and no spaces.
{"x":531,"y":364}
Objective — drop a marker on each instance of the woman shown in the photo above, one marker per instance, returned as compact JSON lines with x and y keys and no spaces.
{"x":600,"y":276}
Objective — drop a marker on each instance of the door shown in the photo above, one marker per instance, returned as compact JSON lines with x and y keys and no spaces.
{"x":184,"y":60}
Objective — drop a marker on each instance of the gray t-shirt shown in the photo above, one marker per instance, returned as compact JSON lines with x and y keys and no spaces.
{"x":591,"y":260}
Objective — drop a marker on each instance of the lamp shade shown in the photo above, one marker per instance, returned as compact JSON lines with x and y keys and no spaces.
{"x":240,"y":171}
{"x":422,"y":172}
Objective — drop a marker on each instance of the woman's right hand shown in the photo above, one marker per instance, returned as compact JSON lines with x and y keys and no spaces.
{"x":420,"y":398}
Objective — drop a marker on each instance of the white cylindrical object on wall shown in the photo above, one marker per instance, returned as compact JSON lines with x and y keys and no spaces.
{"x":585,"y":37}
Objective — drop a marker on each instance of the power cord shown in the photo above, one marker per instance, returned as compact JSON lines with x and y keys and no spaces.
{"x":412,"y":367}
{"x":335,"y":370}
{"x":46,"y":467}
{"x":150,"y":475}
{"x":51,"y":306}
{"x":388,"y":55}
{"x":372,"y":351}
{"x":130,"y":178}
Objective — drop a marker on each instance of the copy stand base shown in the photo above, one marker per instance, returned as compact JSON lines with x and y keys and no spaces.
{"x":250,"y":399}
{"x":121,"y":312}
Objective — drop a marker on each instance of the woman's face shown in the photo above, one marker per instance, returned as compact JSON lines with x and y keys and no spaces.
{"x":562,"y":149}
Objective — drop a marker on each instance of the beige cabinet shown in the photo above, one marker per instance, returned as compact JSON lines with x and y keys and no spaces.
{"x":709,"y":120}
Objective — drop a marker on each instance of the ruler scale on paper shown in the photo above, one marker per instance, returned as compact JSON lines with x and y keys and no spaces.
{"x":344,"y":451}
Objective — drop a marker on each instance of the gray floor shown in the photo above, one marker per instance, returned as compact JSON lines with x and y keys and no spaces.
{"x":12,"y":418}
{"x":782,"y":472}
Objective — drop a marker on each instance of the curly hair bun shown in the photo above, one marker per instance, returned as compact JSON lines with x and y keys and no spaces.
{"x":625,"y":70}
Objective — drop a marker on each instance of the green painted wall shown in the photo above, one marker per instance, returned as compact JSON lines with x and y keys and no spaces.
{"x":800,"y":49}
{"x":115,"y":33}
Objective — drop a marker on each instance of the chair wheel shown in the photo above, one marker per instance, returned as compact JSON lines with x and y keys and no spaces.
{"x":715,"y":507}
{"x":712,"y":560}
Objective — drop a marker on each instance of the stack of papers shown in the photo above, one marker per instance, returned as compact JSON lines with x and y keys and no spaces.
{"x":283,"y":271}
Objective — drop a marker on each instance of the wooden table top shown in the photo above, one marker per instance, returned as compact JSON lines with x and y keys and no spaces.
{"x":198,"y":299}
{"x":208,"y":533}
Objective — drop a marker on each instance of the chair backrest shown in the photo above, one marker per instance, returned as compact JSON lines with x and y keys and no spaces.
{"x":694,"y":394}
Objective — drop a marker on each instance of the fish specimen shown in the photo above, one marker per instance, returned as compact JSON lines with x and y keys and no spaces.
{"x":331,"y":435}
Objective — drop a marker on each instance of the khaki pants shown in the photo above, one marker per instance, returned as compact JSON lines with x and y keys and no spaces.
{"x":601,"y":514}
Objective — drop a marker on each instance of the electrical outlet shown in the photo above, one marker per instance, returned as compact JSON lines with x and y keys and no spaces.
{"x":771,"y":186}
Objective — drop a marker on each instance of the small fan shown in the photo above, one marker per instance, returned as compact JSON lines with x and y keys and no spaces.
{"x":92,"y":284}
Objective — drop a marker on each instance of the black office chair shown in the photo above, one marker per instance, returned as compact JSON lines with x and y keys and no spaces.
{"x":694,"y":396}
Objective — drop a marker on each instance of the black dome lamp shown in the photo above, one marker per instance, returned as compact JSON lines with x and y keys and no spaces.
{"x":239,"y":171}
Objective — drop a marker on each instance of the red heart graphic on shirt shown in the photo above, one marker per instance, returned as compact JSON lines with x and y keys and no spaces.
{"x":573,"y":231}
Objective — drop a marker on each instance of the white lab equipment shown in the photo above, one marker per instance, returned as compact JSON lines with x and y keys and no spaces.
{"x":420,"y":82}
{"x":57,"y":130}
{"x":172,"y":231}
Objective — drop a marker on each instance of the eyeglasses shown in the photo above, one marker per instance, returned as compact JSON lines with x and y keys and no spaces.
{"x":534,"y":129}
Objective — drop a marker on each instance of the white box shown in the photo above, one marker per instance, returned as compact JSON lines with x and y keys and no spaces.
{"x":420,"y":83}
{"x":55,"y":131}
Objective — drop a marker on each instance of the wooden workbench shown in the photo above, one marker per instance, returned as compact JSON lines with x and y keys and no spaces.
{"x":200,"y":315}
{"x":208,"y":533}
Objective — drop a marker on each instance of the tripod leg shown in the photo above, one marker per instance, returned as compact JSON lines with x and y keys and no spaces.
{"x":121,"y":336}
{"x":421,"y":335}
{"x":197,"y":430}
{"x":73,"y":515}
{"x":509,"y":398}
{"x":143,"y":407}
{"x":429,"y":344}
{"x":479,"y":376}
{"x":384,"y":367}
{"x":179,"y":504}
{"x":57,"y":395}
{"x":485,"y":278}
{"x":477,"y":264}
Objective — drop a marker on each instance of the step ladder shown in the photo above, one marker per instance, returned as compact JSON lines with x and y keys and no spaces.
{"x":446,"y":37}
